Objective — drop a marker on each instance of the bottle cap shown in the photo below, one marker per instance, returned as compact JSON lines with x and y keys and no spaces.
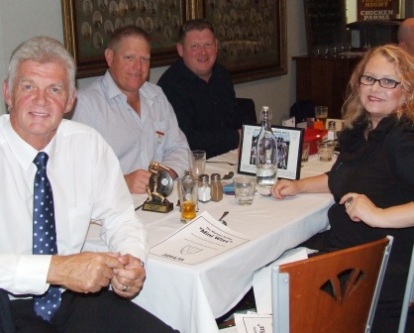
{"x":203,"y":177}
{"x":215,"y":177}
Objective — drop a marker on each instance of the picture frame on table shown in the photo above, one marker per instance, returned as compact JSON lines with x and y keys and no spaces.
{"x":88,"y":24}
{"x":289,"y":142}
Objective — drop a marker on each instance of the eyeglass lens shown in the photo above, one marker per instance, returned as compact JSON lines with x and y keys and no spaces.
{"x":384,"y":82}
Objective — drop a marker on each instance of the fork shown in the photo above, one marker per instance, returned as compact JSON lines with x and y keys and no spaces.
{"x":225,"y":162}
{"x":222,"y":217}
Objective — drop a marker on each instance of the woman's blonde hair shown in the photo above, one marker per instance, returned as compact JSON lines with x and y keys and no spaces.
{"x":403,"y":63}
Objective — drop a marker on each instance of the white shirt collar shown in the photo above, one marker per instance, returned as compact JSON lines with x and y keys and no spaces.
{"x":24,"y":152}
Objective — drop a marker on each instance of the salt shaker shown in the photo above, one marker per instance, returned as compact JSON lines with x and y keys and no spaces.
{"x":204,"y":190}
{"x":332,"y":131}
{"x":216,"y":187}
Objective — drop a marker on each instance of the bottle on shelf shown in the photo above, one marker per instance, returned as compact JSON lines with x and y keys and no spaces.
{"x":266,"y":155}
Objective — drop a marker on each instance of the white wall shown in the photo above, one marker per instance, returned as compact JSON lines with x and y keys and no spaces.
{"x":22,"y":19}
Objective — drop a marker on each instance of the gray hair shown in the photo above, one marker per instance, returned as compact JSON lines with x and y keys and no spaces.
{"x":42,"y":50}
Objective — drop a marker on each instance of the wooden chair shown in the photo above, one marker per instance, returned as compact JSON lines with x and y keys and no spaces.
{"x":333,"y":292}
{"x":408,"y":296}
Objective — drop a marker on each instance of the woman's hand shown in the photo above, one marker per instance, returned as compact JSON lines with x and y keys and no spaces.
{"x":283,"y":188}
{"x":360,"y":208}
{"x":315,"y":184}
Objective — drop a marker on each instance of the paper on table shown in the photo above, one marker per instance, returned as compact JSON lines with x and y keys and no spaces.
{"x":198,"y":240}
{"x":253,"y":323}
{"x":262,"y":279}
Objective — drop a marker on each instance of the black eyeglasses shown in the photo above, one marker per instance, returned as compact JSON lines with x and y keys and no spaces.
{"x":384,"y":82}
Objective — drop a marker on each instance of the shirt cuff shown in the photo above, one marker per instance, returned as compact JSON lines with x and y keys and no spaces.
{"x":31,"y":274}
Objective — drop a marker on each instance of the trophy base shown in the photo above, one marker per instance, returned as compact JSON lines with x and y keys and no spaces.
{"x":158,"y":207}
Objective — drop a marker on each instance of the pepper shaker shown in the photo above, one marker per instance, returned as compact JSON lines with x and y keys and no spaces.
{"x":216,"y":187}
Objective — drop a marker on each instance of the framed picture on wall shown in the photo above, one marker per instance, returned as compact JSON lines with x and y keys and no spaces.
{"x":251,"y":34}
{"x":289,"y":150}
{"x":88,"y":24}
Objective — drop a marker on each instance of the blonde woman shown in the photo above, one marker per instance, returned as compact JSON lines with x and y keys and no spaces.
{"x":372,"y":180}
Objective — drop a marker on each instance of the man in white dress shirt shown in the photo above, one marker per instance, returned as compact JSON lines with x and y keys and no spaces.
{"x":87,"y":184}
{"x":132,"y":114}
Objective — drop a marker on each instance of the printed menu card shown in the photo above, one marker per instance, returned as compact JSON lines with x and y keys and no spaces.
{"x":199,"y":240}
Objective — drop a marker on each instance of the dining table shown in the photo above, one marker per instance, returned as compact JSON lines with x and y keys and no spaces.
{"x":189,"y":297}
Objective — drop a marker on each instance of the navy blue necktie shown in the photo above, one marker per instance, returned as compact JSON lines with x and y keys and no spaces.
{"x":44,"y":234}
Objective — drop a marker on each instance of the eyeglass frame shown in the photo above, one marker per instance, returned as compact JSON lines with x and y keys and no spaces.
{"x":374,"y":80}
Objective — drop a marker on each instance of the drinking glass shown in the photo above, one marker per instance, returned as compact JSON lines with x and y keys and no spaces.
{"x":187,"y":194}
{"x":244,"y":189}
{"x":321,"y":113}
{"x":326,"y":150}
{"x":197,"y":162}
{"x":305,"y":151}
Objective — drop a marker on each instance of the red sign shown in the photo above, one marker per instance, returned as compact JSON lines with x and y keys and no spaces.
{"x":382,"y":10}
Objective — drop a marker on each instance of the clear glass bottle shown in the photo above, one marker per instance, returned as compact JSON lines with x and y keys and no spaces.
{"x":332,"y":134}
{"x":266,"y":155}
{"x":331,"y":131}
{"x":187,"y":194}
{"x":204,"y":190}
{"x":216,"y":187}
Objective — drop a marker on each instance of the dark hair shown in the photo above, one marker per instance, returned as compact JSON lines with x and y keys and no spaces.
{"x":196,"y":24}
{"x":127,"y":31}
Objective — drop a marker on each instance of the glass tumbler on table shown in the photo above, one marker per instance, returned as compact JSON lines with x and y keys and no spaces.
{"x":244,"y":189}
{"x":326,"y":150}
{"x":305,"y":151}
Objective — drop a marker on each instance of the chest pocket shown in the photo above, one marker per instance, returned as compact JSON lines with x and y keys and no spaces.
{"x":159,"y":138}
{"x":77,"y":227}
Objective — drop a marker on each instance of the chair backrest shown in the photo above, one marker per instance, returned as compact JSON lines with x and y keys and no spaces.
{"x":333,"y":292}
{"x":6,"y":321}
{"x":408,"y":295}
{"x":247,"y":111}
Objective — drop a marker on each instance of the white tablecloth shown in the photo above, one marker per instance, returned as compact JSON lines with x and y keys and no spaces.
{"x":190,"y":297}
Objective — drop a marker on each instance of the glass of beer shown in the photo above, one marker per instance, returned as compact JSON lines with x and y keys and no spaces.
{"x":321,"y":114}
{"x":197,"y":162}
{"x":187,"y":194}
{"x":188,"y":210}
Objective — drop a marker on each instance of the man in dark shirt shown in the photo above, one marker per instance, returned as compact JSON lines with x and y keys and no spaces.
{"x":201,"y":91}
{"x":406,"y":35}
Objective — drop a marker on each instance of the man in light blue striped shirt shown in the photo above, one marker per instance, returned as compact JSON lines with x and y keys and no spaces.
{"x":132,"y":114}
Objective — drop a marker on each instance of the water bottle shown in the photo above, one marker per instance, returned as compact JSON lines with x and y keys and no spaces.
{"x":266,"y":155}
